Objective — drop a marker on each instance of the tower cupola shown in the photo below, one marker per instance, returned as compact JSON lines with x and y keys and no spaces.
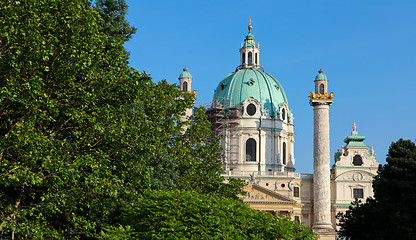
{"x":185,"y":80}
{"x":321,"y":83}
{"x":249,"y":52}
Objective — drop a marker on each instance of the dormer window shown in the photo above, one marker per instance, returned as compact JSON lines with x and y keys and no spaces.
{"x":251,"y":109}
{"x":283,"y":114}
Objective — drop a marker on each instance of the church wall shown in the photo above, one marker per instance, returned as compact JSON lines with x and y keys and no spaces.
{"x":269,"y":141}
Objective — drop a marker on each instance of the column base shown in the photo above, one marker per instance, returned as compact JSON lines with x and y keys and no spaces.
{"x":325,"y":233}
{"x":322,"y":225}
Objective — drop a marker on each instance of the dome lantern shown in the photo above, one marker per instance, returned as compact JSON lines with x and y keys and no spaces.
{"x":249,"y":52}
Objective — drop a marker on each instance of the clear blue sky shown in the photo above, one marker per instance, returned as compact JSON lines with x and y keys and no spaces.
{"x":366,"y":48}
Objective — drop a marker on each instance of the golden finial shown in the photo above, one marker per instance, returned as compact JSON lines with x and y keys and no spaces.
{"x":249,"y":25}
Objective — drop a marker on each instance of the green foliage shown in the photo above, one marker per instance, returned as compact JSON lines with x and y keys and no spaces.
{"x":113,"y":13}
{"x":187,"y":215}
{"x":391,"y":214}
{"x":116,"y":233}
{"x":363,"y":221}
{"x":62,"y":120}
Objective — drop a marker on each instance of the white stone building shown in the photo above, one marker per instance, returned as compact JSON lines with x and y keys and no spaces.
{"x":251,"y":115}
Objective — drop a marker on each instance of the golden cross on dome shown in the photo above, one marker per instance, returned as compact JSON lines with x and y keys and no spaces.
{"x":249,"y":25}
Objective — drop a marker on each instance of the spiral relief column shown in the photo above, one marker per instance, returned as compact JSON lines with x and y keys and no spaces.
{"x":321,"y":100}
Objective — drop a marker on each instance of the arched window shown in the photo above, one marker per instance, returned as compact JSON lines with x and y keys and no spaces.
{"x":283,"y":114}
{"x":250,"y":58}
{"x":257,"y":59}
{"x":251,"y":150}
{"x":244,"y":58}
{"x":321,"y":88}
{"x":357,"y":160}
{"x":185,"y":86}
{"x":284,"y":154}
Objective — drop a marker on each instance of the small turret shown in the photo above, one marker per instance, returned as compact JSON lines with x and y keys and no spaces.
{"x":185,"y":83}
{"x":321,"y":83}
{"x":185,"y":80}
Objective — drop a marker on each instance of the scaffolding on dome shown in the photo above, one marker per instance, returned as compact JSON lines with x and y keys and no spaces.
{"x":222,"y":117}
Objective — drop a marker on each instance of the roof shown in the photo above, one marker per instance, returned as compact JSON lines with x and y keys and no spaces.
{"x":355,"y":140}
{"x":250,"y":82}
{"x":321,"y":75}
{"x":250,"y":36}
{"x":185,"y":73}
{"x":249,"y":41}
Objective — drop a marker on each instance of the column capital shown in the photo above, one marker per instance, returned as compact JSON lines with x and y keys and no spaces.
{"x":315,"y":102}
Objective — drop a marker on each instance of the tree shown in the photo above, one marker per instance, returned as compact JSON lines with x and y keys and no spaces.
{"x":187,"y":215}
{"x":391,"y":213}
{"x":59,"y":113}
{"x":113,"y":14}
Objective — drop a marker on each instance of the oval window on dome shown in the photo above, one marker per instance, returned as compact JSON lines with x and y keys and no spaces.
{"x":251,"y":109}
{"x":283,"y":114}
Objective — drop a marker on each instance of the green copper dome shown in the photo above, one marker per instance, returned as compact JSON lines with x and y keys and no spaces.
{"x":185,"y":74}
{"x":250,"y":82}
{"x":321,"y":76}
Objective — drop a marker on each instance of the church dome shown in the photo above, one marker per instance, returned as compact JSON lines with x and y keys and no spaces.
{"x":250,"y":82}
